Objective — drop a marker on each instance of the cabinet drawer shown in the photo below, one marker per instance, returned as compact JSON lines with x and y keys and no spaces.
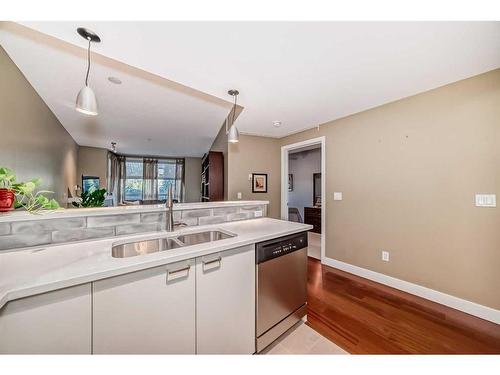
{"x":312,"y":211}
{"x":312,"y":216}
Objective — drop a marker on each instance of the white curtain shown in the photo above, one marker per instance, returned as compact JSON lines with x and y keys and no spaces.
{"x":150,"y":180}
{"x":116,"y":177}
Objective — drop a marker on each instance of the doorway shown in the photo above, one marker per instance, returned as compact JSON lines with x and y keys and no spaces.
{"x":303,"y":176}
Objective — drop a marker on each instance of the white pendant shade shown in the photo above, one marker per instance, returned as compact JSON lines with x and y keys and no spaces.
{"x":86,"y":101}
{"x":233,"y":135}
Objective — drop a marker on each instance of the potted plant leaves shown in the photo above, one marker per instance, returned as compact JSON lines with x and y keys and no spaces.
{"x":33,"y":201}
{"x":92,"y":198}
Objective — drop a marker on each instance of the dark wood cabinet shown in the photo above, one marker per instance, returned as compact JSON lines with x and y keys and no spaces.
{"x":212,"y":177}
{"x":312,"y":216}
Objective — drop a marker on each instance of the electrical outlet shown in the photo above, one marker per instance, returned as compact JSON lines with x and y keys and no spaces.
{"x":239,"y":194}
{"x":385,"y":256}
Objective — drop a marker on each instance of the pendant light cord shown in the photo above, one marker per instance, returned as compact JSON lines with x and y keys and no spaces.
{"x":234,"y":108}
{"x":88,"y":65}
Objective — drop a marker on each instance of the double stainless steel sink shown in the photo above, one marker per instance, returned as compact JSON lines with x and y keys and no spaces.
{"x":155,"y":245}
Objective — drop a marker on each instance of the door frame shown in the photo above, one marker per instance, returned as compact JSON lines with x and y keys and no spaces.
{"x":284,"y":182}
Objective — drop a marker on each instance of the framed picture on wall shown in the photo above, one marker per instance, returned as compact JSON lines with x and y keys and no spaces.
{"x":259,"y":183}
{"x":290,"y":182}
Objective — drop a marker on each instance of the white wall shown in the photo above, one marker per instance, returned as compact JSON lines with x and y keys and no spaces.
{"x":303,"y":165}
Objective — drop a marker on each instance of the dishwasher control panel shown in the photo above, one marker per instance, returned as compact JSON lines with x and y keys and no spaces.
{"x":277,"y":247}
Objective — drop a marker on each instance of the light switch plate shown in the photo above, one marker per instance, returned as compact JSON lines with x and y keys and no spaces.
{"x":337,"y":196}
{"x":486,"y":200}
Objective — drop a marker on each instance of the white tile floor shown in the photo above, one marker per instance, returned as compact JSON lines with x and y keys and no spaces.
{"x":302,"y":339}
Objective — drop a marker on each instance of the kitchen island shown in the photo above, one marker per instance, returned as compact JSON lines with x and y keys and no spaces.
{"x":190,"y":299}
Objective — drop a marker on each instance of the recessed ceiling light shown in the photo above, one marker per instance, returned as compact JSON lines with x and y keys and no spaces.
{"x":276,"y":124}
{"x":116,"y":81}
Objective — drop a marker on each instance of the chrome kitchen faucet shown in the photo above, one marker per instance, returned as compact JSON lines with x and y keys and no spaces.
{"x":169,"y":222}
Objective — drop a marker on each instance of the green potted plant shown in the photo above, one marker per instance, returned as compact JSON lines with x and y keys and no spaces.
{"x":23,"y":194}
{"x":92,"y":198}
{"x":7,"y":193}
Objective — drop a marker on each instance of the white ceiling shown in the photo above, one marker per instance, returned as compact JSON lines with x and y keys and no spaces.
{"x":301,"y":73}
{"x":145,"y":115}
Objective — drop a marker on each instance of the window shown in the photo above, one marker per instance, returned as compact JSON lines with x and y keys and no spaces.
{"x":133,"y":180}
{"x":168,"y":173}
{"x":164,"y":172}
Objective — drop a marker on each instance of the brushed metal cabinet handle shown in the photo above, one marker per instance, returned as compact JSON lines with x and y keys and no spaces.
{"x":178,"y":273}
{"x":212,"y":261}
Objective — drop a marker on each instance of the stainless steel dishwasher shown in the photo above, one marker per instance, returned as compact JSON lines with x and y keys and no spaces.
{"x":281,"y":286}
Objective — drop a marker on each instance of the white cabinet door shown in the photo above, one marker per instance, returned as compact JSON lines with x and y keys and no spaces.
{"x":57,"y":322}
{"x":225,"y":302}
{"x":146,"y":312}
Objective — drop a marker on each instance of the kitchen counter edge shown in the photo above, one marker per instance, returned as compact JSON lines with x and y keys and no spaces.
{"x":22,"y":291}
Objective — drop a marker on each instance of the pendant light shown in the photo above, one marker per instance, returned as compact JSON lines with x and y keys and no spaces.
{"x":233,"y":134}
{"x":86,"y":101}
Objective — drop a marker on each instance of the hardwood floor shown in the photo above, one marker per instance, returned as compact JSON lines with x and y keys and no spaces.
{"x":365,"y":317}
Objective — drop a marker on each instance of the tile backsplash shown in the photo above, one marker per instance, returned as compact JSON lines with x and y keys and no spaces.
{"x":44,"y":231}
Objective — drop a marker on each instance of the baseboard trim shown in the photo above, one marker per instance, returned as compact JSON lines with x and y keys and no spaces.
{"x":468,"y":307}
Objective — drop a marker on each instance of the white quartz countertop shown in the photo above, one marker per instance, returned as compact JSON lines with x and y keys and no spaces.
{"x":42,"y":269}
{"x":101,"y":211}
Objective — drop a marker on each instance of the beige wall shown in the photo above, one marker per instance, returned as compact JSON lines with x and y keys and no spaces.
{"x":250,"y":155}
{"x":220,"y":144}
{"x":33,"y":142}
{"x":93,"y":161}
{"x":192,"y":179}
{"x":255,"y":155}
{"x":408,"y":171}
